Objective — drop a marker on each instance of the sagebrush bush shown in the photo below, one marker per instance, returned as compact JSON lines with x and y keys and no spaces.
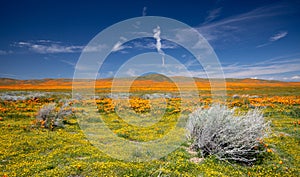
{"x":53,"y":115}
{"x":229,"y":136}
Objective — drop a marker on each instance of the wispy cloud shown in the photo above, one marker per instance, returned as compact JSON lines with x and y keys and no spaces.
{"x":261,"y":12}
{"x":48,"y":46}
{"x":278,"y":36}
{"x":131,"y":72}
{"x":212,"y":15}
{"x":231,"y":28}
{"x":94,"y":48}
{"x":143,"y":44}
{"x":120,"y":45}
{"x":263,"y":69}
{"x":8,"y":75}
{"x":273,"y":69}
{"x":69,"y":62}
{"x":117,"y":46}
{"x":297,"y":77}
{"x":4,"y":52}
{"x":144,"y":13}
{"x":263,"y":45}
{"x":275,"y":37}
{"x":285,"y":69}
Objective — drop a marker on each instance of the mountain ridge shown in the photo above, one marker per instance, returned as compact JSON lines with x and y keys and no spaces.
{"x":152,"y":77}
{"x":150,"y":80}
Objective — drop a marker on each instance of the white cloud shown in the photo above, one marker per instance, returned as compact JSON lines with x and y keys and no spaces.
{"x":230,"y":28}
{"x":192,"y":62}
{"x":145,"y":44}
{"x":86,"y":68}
{"x":212,"y":15}
{"x":263,"y":45}
{"x":156,"y":35}
{"x":295,"y":77}
{"x":3,"y":52}
{"x":270,"y":70}
{"x":274,"y":38}
{"x":48,"y":41}
{"x":95,"y":48}
{"x":131,"y":72}
{"x":8,"y":75}
{"x":144,"y":11}
{"x":291,"y":78}
{"x":281,"y":69}
{"x":68,"y":62}
{"x":279,"y":35}
{"x":118,"y":46}
{"x":48,"y":46}
{"x":261,"y":69}
{"x":261,"y":12}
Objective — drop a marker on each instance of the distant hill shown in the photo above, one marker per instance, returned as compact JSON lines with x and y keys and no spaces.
{"x":149,"y":80}
{"x":155,"y":77}
{"x":8,"y":81}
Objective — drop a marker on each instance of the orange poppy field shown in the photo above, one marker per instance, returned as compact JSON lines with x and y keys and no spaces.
{"x":34,"y":147}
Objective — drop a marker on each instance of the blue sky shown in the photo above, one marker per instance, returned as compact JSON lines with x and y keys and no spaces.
{"x":255,"y":39}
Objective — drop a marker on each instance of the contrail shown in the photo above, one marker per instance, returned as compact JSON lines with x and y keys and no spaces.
{"x":156,"y":35}
{"x":144,"y":11}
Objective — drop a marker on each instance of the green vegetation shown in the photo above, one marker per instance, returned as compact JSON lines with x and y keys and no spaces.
{"x":30,"y":150}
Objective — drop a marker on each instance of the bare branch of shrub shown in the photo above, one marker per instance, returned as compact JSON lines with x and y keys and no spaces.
{"x":219,"y":131}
